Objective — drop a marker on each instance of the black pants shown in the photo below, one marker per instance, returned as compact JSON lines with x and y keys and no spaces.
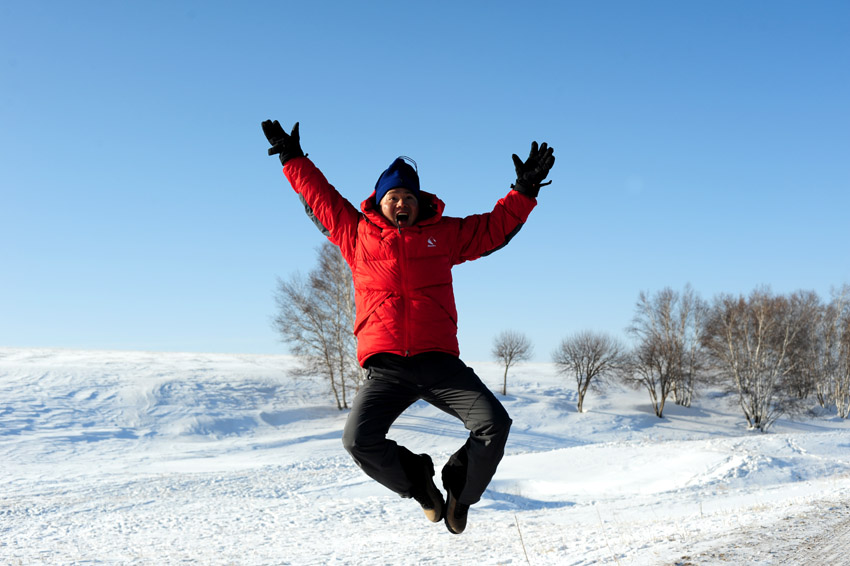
{"x":394,"y":383}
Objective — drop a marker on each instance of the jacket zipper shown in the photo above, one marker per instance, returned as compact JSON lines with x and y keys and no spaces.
{"x":405,"y":296}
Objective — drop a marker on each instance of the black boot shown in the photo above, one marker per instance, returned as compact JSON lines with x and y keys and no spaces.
{"x":420,"y":470}
{"x":454,"y":480}
{"x":456,"y":513}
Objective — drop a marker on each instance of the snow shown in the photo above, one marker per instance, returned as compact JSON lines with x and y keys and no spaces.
{"x":183,"y":458}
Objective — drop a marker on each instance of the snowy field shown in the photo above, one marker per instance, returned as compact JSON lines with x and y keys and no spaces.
{"x":151,"y":458}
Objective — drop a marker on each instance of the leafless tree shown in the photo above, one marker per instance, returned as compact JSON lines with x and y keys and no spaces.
{"x":590,"y":358}
{"x":316,"y":318}
{"x":668,"y":356}
{"x":828,"y":362}
{"x":753,"y":341}
{"x":648,"y":367}
{"x":814,"y":354}
{"x":690,"y":322}
{"x":842,"y":370}
{"x":511,"y":347}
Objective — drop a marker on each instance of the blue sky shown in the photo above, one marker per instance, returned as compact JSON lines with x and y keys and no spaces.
{"x":696,"y":142}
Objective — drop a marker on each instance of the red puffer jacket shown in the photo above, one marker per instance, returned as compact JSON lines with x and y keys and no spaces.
{"x":402,"y":276}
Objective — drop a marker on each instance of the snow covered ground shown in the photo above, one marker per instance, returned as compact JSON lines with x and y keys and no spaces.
{"x":152,"y":458}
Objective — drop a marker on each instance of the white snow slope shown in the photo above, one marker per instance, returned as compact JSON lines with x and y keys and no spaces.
{"x":152,"y":458}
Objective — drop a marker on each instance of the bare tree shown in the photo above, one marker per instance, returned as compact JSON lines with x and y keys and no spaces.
{"x":589,"y":357}
{"x":511,"y":347}
{"x":815,"y":355}
{"x":649,"y":367}
{"x":842,"y":369}
{"x":690,"y":322}
{"x":316,"y":318}
{"x":668,"y":356}
{"x":753,"y":341}
{"x":828,"y":362}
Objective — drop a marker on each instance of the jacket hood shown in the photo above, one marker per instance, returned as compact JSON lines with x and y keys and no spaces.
{"x":430,"y":209}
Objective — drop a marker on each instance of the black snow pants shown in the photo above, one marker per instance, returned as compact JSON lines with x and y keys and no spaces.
{"x":393,"y":384}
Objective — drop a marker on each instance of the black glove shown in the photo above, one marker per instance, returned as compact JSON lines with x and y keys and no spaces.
{"x":530,"y":175}
{"x":285,"y":145}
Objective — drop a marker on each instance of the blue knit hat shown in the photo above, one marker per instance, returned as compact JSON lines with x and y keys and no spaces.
{"x":399,"y":174}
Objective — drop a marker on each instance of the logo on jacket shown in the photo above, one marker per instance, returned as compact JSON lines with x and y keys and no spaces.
{"x":432,"y":242}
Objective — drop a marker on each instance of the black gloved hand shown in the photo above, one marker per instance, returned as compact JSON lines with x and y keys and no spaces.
{"x":530,"y":174}
{"x":285,"y":145}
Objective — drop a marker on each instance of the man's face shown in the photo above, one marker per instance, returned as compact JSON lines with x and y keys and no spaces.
{"x":400,"y":207}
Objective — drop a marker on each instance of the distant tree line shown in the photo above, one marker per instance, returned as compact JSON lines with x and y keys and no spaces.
{"x":772,"y":352}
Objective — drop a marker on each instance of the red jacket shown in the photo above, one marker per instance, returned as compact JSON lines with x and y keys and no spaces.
{"x":402,"y":276}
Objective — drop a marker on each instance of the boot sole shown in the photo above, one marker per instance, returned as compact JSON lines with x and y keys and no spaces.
{"x":451,"y":503}
{"x":434,"y":515}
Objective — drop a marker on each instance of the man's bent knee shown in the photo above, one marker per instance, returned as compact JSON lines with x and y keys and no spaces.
{"x":349,"y":441}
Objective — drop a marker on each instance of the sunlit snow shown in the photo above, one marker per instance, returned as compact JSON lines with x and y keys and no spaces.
{"x":166,"y":458}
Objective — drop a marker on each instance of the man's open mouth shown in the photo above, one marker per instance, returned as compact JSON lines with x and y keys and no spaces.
{"x":402,"y":217}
